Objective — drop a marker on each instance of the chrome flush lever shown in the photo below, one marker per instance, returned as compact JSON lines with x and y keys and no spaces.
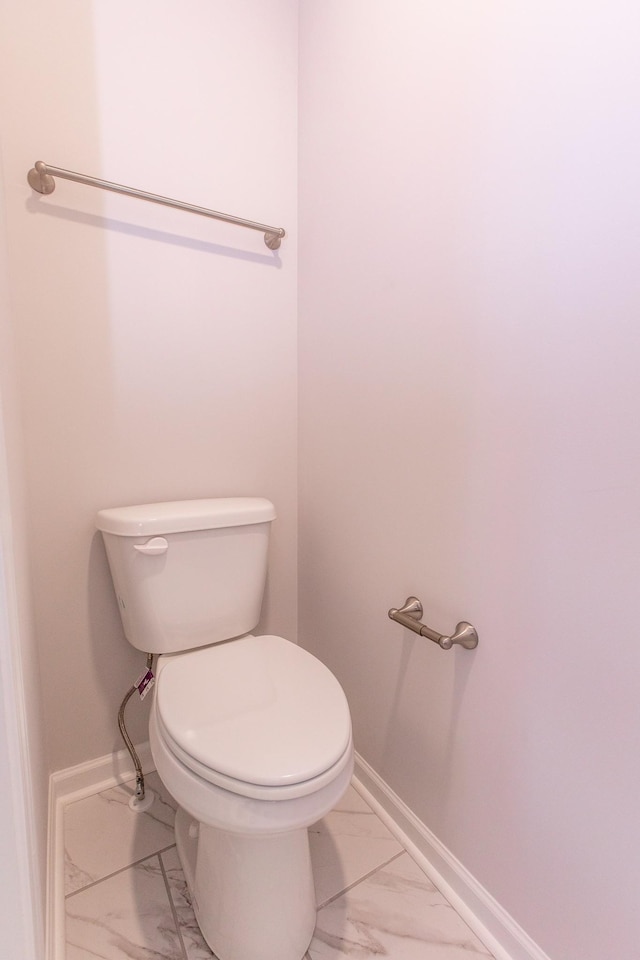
{"x":152,"y":547}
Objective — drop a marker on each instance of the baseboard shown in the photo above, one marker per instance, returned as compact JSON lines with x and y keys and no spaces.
{"x":65,"y":786}
{"x":497,"y":930}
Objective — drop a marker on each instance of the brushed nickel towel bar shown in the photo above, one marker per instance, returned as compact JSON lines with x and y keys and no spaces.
{"x":409,"y":616}
{"x":41,"y":176}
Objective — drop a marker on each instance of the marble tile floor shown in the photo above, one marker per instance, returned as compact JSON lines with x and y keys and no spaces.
{"x":126,"y":897}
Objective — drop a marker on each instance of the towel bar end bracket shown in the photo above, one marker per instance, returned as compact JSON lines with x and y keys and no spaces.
{"x":272,"y":240}
{"x":40,"y":180}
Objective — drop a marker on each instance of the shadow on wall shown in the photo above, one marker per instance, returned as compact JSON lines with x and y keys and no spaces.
{"x":271,"y":259}
{"x":434,"y":732}
{"x":110,"y":651}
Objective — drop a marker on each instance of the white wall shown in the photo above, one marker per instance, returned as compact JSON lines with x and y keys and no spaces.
{"x":469,"y":303}
{"x":469,"y":391}
{"x":157,"y":350}
{"x":23,"y":798}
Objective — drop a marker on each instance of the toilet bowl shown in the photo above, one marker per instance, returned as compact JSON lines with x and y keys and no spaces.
{"x":250,"y":734}
{"x":249,"y":872}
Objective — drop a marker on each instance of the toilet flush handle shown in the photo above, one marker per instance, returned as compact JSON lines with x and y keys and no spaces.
{"x":152,"y":547}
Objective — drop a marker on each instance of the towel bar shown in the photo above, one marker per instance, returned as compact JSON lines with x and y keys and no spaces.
{"x":41,"y":178}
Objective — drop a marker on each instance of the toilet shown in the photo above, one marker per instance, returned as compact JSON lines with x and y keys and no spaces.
{"x":250,"y":734}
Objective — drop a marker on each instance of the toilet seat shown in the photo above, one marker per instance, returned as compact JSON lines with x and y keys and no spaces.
{"x":258,"y":716}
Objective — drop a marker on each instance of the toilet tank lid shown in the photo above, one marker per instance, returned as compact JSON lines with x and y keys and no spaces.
{"x":180,"y":516}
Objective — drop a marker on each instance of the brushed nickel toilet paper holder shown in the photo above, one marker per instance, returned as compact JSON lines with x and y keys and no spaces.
{"x":410,"y":615}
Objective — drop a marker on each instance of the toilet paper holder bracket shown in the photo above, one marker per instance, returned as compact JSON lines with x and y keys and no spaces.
{"x":410,"y":616}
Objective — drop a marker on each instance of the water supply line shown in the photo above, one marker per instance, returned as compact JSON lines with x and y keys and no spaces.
{"x":142,"y":799}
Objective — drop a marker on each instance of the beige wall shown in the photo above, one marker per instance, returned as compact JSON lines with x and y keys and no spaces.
{"x":469,"y":347}
{"x":156,"y":349}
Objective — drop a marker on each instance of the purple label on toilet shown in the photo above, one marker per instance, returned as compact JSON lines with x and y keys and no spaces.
{"x":144,"y":683}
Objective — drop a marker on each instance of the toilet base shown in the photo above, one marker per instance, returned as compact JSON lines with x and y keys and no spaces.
{"x":186,"y":831}
{"x":253,"y":896}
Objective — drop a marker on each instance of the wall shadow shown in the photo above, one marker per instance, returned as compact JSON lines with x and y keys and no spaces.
{"x":270,"y":259}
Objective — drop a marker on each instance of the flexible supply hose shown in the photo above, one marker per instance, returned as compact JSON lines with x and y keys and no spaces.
{"x":127,"y":739}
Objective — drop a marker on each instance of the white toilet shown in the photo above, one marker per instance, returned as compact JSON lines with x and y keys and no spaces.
{"x":251,"y":736}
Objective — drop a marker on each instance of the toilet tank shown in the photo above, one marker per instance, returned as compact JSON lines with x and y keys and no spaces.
{"x":190,"y":572}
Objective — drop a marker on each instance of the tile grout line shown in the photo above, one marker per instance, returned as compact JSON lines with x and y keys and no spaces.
{"x":174,"y":912}
{"x":115,"y":873}
{"x":355,"y":883}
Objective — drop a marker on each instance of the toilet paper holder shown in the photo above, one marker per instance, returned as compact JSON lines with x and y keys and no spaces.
{"x":410,"y":615}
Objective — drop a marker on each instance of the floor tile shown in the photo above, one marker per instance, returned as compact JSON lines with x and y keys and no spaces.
{"x":128,"y":900}
{"x":102,"y":834}
{"x":194,"y":943}
{"x":125,"y":917}
{"x":396,"y":913}
{"x":348,"y":844}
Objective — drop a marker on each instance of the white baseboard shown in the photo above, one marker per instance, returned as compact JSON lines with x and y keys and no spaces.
{"x":65,"y":786}
{"x":497,"y":930}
